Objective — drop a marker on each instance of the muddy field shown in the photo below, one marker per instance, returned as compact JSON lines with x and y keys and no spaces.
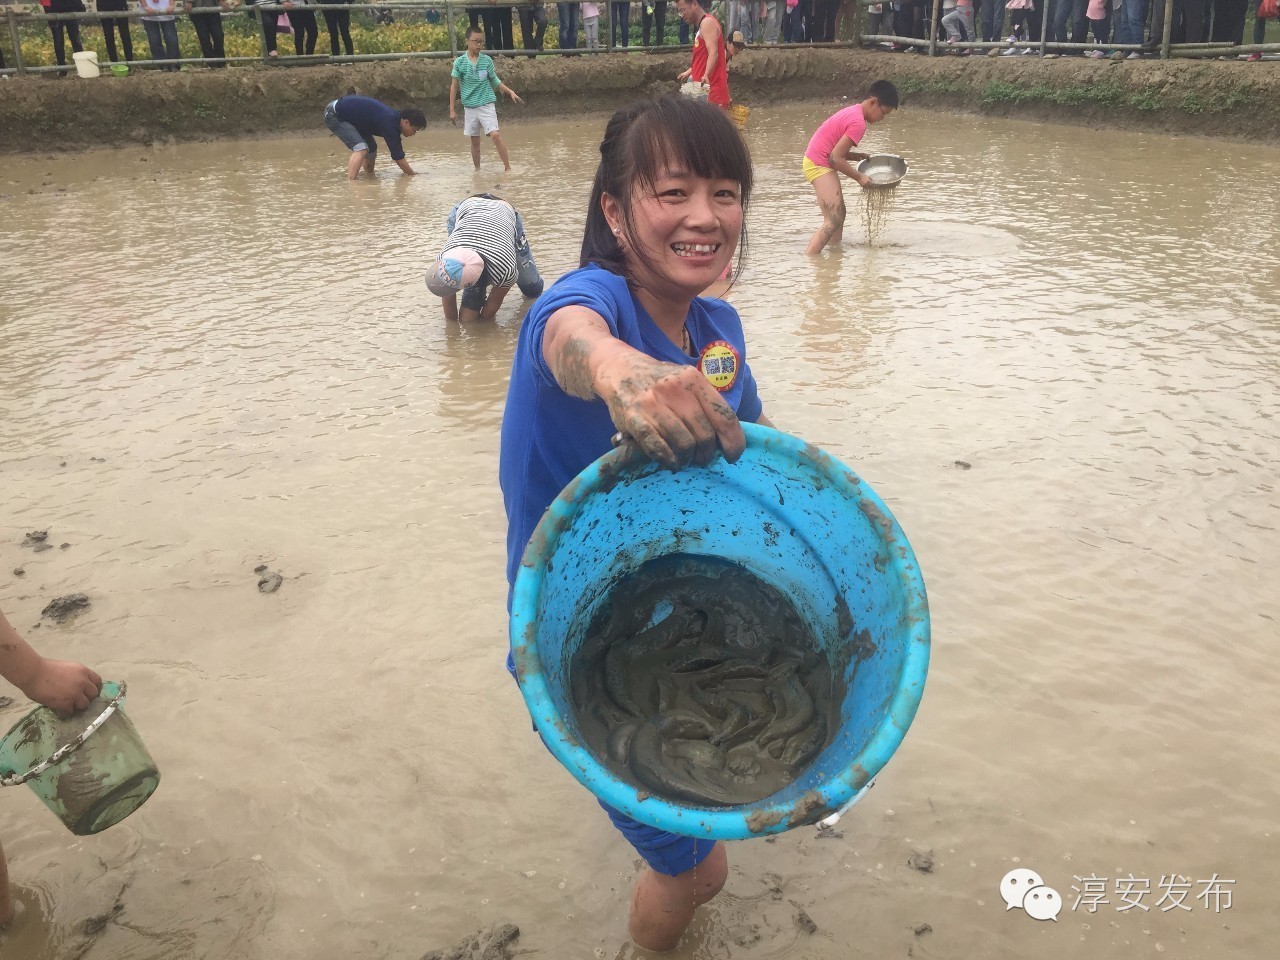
{"x":1230,"y":100}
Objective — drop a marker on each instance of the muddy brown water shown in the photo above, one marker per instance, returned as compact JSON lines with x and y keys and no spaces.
{"x":701,"y":683}
{"x":218,"y":356}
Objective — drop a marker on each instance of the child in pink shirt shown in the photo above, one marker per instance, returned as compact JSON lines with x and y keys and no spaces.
{"x":958,"y":19}
{"x":831,"y":152}
{"x":591,"y":24}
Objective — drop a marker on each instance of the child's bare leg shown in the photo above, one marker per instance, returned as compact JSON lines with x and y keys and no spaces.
{"x":831,"y":203}
{"x":496,"y":137}
{"x":475,"y":151}
{"x":369,"y":160}
{"x":662,"y":906}
{"x":6,"y":898}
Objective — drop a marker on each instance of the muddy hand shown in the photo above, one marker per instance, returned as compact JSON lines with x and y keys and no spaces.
{"x":64,"y":686}
{"x":670,"y":411}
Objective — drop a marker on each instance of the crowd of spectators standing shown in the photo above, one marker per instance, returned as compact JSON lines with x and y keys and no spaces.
{"x":1072,"y":21}
{"x":758,"y":21}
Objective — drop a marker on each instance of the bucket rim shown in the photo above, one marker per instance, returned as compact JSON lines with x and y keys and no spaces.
{"x":71,"y":746}
{"x":746,"y":820}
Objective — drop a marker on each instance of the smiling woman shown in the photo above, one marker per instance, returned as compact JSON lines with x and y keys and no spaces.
{"x":629,"y":334}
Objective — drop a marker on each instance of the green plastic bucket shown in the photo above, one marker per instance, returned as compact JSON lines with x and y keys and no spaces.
{"x":91,"y":775}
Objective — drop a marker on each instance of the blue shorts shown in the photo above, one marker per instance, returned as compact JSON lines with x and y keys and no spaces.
{"x":667,"y":853}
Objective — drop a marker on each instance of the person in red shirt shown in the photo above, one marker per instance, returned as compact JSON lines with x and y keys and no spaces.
{"x":709,"y":57}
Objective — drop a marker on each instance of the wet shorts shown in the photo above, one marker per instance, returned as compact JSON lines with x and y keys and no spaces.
{"x":347,"y":132}
{"x":812,"y":171}
{"x":479,"y":120}
{"x":668,"y":853}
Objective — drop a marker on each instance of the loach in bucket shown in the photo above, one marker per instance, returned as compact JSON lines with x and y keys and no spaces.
{"x":786,"y":512}
{"x":92,"y":770}
{"x":86,"y":63}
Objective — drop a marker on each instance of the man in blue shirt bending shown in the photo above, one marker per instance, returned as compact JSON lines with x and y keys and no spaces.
{"x":357,"y":120}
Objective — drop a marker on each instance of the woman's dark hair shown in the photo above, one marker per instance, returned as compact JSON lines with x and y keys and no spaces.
{"x":638,"y":141}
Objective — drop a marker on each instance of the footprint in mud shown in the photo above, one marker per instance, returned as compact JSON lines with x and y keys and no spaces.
{"x":268,"y":580}
{"x":62,"y":609}
{"x":921,"y":860}
{"x":37,"y":541}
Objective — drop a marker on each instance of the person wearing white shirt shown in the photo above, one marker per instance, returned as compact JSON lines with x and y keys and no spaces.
{"x":162,"y":31}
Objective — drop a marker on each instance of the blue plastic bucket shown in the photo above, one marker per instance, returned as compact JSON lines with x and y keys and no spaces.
{"x":788,"y":513}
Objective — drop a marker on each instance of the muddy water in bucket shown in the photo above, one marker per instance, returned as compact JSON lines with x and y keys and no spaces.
{"x":701,"y":682}
{"x":96,"y":769}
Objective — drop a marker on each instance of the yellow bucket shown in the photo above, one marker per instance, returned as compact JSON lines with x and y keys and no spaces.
{"x":739,"y":113}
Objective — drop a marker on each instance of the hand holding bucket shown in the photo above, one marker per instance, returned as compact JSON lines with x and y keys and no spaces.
{"x":790,"y":514}
{"x":92,"y":770}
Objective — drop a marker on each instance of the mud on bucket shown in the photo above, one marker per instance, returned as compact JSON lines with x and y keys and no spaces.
{"x":92,"y":769}
{"x":787,"y":513}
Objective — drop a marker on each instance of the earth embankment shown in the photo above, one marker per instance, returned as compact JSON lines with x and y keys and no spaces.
{"x":1229,"y":100}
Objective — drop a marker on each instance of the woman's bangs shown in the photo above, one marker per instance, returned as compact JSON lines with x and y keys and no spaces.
{"x":701,"y":141}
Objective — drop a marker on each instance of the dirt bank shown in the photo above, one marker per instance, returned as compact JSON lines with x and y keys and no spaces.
{"x":1231,"y":100}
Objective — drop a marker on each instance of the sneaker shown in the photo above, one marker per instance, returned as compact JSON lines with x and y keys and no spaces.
{"x":1253,"y":57}
{"x":1029,"y":51}
{"x":1011,"y":52}
{"x":1134,"y":56}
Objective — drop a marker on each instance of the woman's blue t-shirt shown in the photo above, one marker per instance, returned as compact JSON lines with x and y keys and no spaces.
{"x":549,"y":437}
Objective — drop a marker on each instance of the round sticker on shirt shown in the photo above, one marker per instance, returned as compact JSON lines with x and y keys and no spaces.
{"x":719,"y":363}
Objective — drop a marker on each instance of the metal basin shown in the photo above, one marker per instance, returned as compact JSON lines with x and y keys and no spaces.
{"x":884,"y":169}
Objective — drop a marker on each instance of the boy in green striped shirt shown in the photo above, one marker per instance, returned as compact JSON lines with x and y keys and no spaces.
{"x":475,"y":74}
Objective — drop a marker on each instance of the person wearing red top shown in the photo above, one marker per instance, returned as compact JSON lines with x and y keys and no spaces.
{"x":709,"y":58}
